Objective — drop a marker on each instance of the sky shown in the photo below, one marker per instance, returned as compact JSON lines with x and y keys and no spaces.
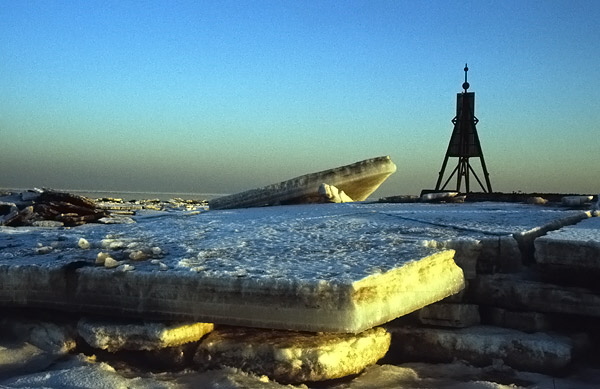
{"x":225,"y":96}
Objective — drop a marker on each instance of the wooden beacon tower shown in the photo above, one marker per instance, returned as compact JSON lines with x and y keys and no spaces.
{"x":464,"y":144}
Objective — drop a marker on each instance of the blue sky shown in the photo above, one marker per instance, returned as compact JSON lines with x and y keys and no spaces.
{"x":219,"y":97}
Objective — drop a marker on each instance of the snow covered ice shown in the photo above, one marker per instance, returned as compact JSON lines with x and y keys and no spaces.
{"x":282,"y":267}
{"x":335,"y":267}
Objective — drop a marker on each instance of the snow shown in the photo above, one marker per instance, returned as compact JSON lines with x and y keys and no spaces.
{"x":82,"y":372}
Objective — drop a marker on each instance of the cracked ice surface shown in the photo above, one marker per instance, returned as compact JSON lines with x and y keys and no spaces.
{"x":279,"y":241}
{"x":301,"y":242}
{"x":239,"y":265}
{"x":486,"y":217}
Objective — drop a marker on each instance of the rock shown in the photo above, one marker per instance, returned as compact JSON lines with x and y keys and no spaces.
{"x":47,"y":208}
{"x":8,"y":208}
{"x":331,"y":194}
{"x":113,"y":335}
{"x":25,"y":216}
{"x":31,"y":195}
{"x":68,"y":200}
{"x":73,"y":219}
{"x":357,"y":180}
{"x":481,"y":346}
{"x":450,"y":315}
{"x":8,"y":212}
{"x":290,"y":357}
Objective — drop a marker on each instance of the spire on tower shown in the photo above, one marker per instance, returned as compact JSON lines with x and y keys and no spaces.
{"x":466,"y":85}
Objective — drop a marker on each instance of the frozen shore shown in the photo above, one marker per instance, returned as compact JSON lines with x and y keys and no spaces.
{"x":470,"y":339}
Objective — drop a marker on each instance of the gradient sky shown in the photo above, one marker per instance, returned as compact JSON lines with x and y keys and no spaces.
{"x":224,"y":96}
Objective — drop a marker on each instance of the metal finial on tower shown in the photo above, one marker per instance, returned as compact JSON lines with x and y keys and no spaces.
{"x":466,"y":85}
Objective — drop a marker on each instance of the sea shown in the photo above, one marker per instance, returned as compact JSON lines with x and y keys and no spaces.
{"x":129,"y":195}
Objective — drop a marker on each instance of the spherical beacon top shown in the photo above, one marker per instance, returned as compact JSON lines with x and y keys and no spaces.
{"x":465,"y":85}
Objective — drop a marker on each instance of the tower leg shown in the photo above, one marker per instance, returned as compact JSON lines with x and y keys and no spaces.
{"x":486,"y":175}
{"x":441,"y":175}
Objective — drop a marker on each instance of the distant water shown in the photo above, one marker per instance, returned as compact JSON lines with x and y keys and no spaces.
{"x":133,"y":195}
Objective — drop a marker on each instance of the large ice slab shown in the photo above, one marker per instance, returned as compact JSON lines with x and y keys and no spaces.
{"x":114,"y":335}
{"x":574,"y":249}
{"x":293,"y":357}
{"x":517,"y":293}
{"x":481,"y":346}
{"x":488,"y":237}
{"x":335,"y":267}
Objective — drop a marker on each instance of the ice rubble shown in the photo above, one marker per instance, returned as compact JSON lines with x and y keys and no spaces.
{"x":30,"y":345}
